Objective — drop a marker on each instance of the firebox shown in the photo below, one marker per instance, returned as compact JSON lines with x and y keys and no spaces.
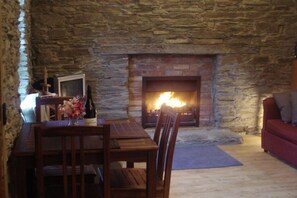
{"x":179,"y":92}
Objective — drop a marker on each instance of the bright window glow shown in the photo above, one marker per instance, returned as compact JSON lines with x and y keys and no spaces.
{"x":23,"y":64}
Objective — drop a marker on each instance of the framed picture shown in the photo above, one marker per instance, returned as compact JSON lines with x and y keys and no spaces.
{"x":70,"y":85}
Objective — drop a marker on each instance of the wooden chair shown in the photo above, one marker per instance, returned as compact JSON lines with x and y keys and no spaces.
{"x":52,"y":102}
{"x":131,"y":182}
{"x":72,"y":154}
{"x":157,"y":133}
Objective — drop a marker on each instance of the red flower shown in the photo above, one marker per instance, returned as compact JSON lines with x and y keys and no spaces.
{"x":73,"y":108}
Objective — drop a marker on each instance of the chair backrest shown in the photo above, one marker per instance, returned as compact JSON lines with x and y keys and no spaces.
{"x":53,"y":104}
{"x":71,"y":152}
{"x":165,"y":136}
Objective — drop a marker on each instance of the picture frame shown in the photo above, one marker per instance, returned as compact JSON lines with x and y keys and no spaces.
{"x":70,"y":85}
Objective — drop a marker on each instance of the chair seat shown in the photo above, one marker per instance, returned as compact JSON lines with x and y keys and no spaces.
{"x":127,"y":181}
{"x":91,"y":191}
{"x":54,"y":174}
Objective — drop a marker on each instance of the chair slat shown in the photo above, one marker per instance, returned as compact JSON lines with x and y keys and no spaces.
{"x":72,"y":156}
{"x":52,"y":102}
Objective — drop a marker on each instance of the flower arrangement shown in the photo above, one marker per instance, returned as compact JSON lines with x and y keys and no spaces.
{"x":74,"y":108}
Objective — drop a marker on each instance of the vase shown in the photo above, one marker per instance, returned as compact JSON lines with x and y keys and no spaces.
{"x":72,"y":121}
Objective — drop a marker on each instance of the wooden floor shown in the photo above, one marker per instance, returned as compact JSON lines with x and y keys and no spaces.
{"x":260,"y":176}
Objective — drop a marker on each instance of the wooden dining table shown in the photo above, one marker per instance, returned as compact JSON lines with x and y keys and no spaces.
{"x":130,"y":142}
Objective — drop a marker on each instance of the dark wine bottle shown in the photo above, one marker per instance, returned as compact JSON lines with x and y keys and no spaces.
{"x":91,"y":115}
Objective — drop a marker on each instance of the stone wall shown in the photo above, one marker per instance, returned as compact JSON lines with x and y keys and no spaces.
{"x":10,"y":59}
{"x":15,"y":58}
{"x":252,"y":40}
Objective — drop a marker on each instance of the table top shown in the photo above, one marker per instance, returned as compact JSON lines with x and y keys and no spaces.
{"x":125,"y":135}
{"x":119,"y":129}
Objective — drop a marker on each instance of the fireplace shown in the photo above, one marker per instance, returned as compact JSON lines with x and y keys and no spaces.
{"x":180,"y":92}
{"x":165,"y":67}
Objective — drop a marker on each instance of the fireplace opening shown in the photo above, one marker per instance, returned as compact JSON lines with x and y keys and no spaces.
{"x":179,"y":92}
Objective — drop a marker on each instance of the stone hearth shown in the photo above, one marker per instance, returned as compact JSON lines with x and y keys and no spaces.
{"x":205,"y":136}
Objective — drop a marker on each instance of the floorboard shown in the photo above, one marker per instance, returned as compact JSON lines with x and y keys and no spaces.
{"x":261,"y":176}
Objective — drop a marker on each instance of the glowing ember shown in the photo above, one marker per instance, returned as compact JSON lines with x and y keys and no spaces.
{"x":168,"y":99}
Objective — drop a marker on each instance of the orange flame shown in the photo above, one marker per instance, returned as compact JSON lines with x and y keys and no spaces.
{"x":168,"y":99}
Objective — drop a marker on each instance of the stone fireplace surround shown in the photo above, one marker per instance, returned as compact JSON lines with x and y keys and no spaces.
{"x":160,"y":65}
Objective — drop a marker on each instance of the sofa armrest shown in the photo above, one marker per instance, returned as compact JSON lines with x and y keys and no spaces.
{"x":270,"y":110}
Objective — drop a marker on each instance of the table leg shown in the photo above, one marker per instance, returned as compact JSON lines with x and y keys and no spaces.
{"x":130,"y":165}
{"x":151,"y":174}
{"x":20,"y":180}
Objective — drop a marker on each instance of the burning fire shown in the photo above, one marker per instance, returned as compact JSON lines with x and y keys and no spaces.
{"x":168,"y":99}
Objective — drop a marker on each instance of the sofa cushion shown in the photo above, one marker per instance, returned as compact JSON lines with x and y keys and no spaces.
{"x":283,"y":101}
{"x":283,"y":130}
{"x":294,"y":107}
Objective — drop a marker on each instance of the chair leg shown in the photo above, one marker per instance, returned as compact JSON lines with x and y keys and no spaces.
{"x":130,"y":164}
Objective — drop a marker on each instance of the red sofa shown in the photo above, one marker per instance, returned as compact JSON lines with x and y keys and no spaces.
{"x":278,"y":138}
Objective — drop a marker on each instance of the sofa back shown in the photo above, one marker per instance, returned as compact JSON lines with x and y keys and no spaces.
{"x":270,"y":110}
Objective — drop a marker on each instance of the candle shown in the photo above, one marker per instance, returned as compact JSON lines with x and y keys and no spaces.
{"x":45,"y":77}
